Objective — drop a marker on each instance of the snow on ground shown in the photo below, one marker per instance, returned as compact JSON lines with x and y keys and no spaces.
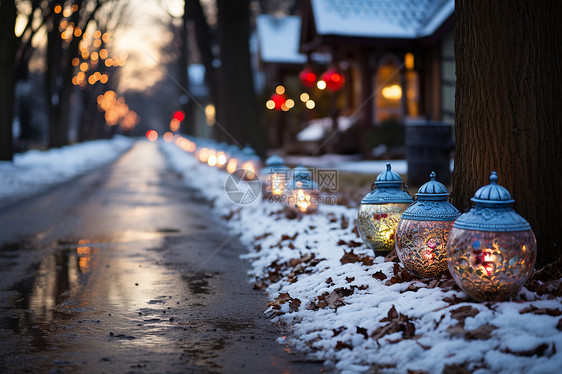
{"x":35,"y":170}
{"x":363,"y":314}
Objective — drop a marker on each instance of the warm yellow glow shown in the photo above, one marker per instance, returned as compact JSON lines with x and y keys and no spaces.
{"x":284,"y":107}
{"x":289,"y":103}
{"x":409,"y":61}
{"x":57,"y":9}
{"x":270,"y":104}
{"x":105,"y":37}
{"x":305,"y":97}
{"x":221,"y":159}
{"x":77,"y":32}
{"x":67,"y":12}
{"x":92,"y":79}
{"x":393,"y":92}
{"x":174,"y":125}
{"x":168,"y":136}
{"x":250,"y":169}
{"x":103,"y":53}
{"x":152,"y":135}
{"x":83,"y":250}
{"x":108,"y":62}
{"x":321,"y":85}
{"x":103,"y":78}
{"x":204,"y":154}
{"x":310,"y":104}
{"x":75,"y":81}
{"x":276,"y":184}
{"x":280,"y":90}
{"x":74,"y":7}
{"x":81,"y":76}
{"x":231,"y":166}
{"x":85,"y":54}
{"x":212,"y":160}
{"x":97,"y":43}
{"x":84,"y":66}
{"x":94,"y":56}
{"x":210,"y":114}
{"x":97,"y":34}
{"x":302,"y":200}
{"x":75,"y":61}
{"x":63,"y":24}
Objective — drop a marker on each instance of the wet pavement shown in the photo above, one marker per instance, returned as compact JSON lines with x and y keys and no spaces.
{"x":125,"y":270}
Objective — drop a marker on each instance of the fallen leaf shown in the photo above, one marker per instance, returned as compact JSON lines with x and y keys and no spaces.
{"x":362,"y":331}
{"x":533,"y":309}
{"x":538,"y":351}
{"x":349,"y":279}
{"x":379,"y":275}
{"x":341,"y":345}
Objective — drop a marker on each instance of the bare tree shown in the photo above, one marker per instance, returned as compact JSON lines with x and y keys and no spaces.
{"x":508,"y":114}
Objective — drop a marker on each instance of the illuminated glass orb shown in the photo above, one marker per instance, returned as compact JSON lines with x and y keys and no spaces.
{"x":275,"y":177}
{"x":380,"y":210}
{"x":302,"y":192}
{"x":421,"y":236}
{"x":491,"y":249}
{"x":307,"y":77}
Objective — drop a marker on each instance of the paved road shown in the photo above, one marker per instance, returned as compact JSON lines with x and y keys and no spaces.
{"x":117,"y":271}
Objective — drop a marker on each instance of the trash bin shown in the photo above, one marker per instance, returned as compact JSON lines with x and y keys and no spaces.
{"x":428,"y":148}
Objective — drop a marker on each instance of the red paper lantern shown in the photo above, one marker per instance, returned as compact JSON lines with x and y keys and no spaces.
{"x":279,"y":100}
{"x":334,"y":79}
{"x":307,"y":77}
{"x":179,"y":115}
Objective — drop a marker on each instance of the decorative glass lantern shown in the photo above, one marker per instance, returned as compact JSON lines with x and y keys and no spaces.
{"x":303,"y":191}
{"x":380,"y":211}
{"x":232,"y":153}
{"x":334,"y":79}
{"x":421,"y":236}
{"x":249,"y":162}
{"x":275,"y":176}
{"x":491,"y":249}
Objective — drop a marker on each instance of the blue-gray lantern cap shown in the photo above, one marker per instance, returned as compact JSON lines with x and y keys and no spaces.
{"x":275,"y":164}
{"x":388,"y":189}
{"x":301,"y":178}
{"x":492,"y":211}
{"x":431,"y":203}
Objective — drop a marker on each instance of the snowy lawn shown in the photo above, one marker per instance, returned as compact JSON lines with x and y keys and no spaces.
{"x":364,"y":314}
{"x":34,"y":170}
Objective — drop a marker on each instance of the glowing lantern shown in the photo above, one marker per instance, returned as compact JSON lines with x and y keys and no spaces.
{"x":232,"y":155}
{"x":380,"y":210}
{"x":334,"y":79}
{"x":278,"y":101}
{"x":303,"y":191}
{"x":491,"y":249}
{"x":275,"y":176}
{"x":249,"y":163}
{"x":307,"y":77}
{"x":179,"y":115}
{"x":421,"y":236}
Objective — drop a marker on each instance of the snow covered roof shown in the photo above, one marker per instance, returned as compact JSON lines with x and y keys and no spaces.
{"x":321,"y":127}
{"x":278,"y":39}
{"x":407,"y":19}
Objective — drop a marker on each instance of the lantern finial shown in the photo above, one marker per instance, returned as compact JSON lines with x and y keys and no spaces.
{"x":494,"y":178}
{"x":432,"y":175}
{"x":388,"y":167}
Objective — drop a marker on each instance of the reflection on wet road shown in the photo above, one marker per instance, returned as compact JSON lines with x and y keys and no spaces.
{"x":110,"y":273}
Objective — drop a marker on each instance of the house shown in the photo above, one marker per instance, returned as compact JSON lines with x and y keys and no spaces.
{"x":396,"y":55}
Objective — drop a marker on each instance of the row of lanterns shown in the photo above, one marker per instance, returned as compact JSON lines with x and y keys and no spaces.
{"x":490,"y":250}
{"x":332,"y":78}
{"x":295,"y":188}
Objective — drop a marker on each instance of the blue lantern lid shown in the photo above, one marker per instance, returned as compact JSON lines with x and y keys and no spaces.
{"x":492,"y":211}
{"x":301,"y":178}
{"x":388,"y":189}
{"x":431,"y":203}
{"x":275,"y":164}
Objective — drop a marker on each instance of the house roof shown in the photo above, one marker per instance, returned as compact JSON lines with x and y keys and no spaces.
{"x":278,"y":39}
{"x":397,"y":19}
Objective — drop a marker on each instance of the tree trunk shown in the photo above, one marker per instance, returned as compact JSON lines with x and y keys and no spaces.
{"x":8,"y":43}
{"x":508,"y":113}
{"x":188,"y":108}
{"x":236,"y":91}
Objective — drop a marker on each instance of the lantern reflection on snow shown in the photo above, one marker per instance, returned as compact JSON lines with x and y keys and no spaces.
{"x":275,"y":176}
{"x":491,"y":249}
{"x":421,"y":236}
{"x":303,"y":191}
{"x":380,"y":210}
